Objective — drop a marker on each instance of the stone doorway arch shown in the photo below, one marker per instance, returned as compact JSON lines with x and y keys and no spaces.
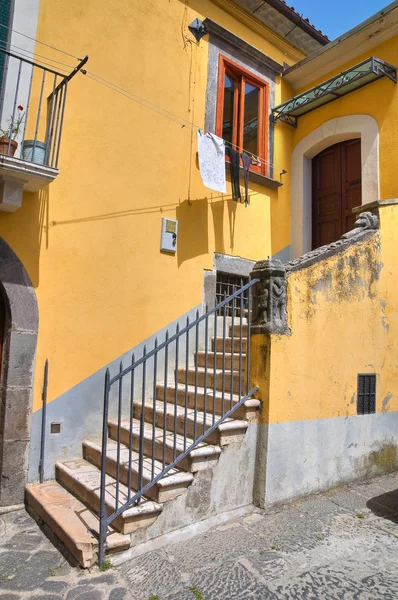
{"x":331,"y":132}
{"x":17,"y":372}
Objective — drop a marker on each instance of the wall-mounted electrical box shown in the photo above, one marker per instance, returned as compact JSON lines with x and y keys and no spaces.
{"x":168,"y":240}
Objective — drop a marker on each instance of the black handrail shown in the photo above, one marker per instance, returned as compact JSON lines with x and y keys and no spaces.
{"x":184,"y":330}
{"x":236,"y":305}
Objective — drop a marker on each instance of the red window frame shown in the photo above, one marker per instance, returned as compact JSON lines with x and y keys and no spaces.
{"x":227,"y":67}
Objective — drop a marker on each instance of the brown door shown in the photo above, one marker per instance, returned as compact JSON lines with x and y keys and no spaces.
{"x":336,"y":190}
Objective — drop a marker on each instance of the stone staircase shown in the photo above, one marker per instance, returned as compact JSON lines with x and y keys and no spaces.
{"x":68,"y":507}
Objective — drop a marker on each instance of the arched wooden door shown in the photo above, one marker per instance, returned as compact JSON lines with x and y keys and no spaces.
{"x":336,"y":190}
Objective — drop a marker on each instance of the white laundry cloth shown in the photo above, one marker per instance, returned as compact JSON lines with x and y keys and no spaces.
{"x":212,"y":161}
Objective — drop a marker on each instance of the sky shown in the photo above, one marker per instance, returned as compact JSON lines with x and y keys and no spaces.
{"x":337,"y":16}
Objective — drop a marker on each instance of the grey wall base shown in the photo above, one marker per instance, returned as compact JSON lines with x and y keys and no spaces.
{"x":299,"y":458}
{"x":79,"y":410}
{"x":226,"y":486}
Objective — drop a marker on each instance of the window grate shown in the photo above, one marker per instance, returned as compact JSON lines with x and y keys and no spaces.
{"x":226,"y":285}
{"x":366,"y":395}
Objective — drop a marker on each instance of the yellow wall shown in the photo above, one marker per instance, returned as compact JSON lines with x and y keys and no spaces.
{"x":343,"y":316}
{"x":90,"y":241}
{"x":378,"y":99}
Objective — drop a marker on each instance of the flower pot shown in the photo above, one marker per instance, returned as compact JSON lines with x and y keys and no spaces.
{"x":4,"y":142}
{"x":34,"y":152}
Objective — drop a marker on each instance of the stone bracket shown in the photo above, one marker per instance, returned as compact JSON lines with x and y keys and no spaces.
{"x":11,"y":191}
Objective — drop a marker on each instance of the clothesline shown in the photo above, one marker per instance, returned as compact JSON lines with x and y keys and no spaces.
{"x":244,"y":151}
{"x":167,"y":114}
{"x":163,"y":112}
{"x":211,"y":153}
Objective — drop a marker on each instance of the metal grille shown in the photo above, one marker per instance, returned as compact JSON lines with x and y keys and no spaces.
{"x":227,"y":285}
{"x":366,"y":397}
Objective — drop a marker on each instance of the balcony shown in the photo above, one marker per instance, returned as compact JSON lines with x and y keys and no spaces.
{"x":32,"y":108}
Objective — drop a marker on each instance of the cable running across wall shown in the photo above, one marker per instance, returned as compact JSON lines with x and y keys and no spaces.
{"x":39,"y":42}
{"x":30,"y":53}
{"x":130,"y":95}
{"x":164,"y":112}
{"x":32,"y":57}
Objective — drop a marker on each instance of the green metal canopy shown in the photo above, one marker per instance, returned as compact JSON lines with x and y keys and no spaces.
{"x":348,"y":81}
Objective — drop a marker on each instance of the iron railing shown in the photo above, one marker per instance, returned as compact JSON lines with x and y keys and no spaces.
{"x":32,"y":100}
{"x":161,"y":366}
{"x":43,"y":422}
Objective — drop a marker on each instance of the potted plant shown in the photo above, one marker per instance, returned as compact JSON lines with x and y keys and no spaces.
{"x":8,"y":143}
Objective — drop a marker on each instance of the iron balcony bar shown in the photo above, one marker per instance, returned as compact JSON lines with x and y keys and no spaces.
{"x":30,"y":62}
{"x":336,"y":87}
{"x":66,"y":79}
{"x":44,"y":115}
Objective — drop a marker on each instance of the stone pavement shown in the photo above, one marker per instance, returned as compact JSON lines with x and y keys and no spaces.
{"x":338,"y":545}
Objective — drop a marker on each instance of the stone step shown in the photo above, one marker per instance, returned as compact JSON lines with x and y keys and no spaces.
{"x":71,"y":522}
{"x":209,"y":379}
{"x":200,"y":359}
{"x":202,"y":457}
{"x":246,"y":411}
{"x":168,"y":487}
{"x":221,"y":345}
{"x":186,"y":394}
{"x":83,"y":479}
{"x":228,"y":431}
{"x":237,"y":329}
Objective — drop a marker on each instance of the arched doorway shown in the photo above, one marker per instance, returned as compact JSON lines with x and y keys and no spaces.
{"x":19,"y":322}
{"x":331,"y":132}
{"x":336,"y":190}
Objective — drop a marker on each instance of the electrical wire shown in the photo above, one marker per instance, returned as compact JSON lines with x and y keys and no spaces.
{"x":112,"y":86}
{"x":39,"y":42}
{"x":34,"y":54}
{"x":163,"y":112}
{"x":40,"y":63}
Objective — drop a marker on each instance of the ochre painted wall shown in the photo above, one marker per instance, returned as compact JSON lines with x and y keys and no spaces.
{"x":90,"y":241}
{"x":343,"y":316}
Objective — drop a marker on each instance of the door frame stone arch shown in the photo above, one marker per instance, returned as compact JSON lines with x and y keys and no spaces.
{"x":17,"y":374}
{"x":331,"y":132}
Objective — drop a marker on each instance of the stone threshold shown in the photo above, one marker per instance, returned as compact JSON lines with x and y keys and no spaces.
{"x":375,"y":204}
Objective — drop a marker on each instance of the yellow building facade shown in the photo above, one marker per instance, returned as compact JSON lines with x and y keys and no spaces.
{"x":84,"y":235}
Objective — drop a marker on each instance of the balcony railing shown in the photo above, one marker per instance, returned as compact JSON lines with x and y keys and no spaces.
{"x":32,"y":109}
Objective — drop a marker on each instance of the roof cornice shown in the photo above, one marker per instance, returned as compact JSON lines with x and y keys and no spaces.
{"x":359,"y":40}
{"x":288,"y":49}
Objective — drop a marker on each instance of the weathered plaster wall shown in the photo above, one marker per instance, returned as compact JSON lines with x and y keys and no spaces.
{"x":312,"y":455}
{"x":343,"y":317}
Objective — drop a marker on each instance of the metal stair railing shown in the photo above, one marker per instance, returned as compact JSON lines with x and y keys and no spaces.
{"x":233,"y":309}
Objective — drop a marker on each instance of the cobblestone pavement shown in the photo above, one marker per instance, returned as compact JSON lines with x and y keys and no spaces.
{"x":339,"y":545}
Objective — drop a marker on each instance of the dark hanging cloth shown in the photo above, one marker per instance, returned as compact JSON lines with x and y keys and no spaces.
{"x":234,"y":158}
{"x":246,"y":161}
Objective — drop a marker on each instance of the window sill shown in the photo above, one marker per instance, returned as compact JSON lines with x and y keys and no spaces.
{"x":254,"y":177}
{"x":18,"y":176}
